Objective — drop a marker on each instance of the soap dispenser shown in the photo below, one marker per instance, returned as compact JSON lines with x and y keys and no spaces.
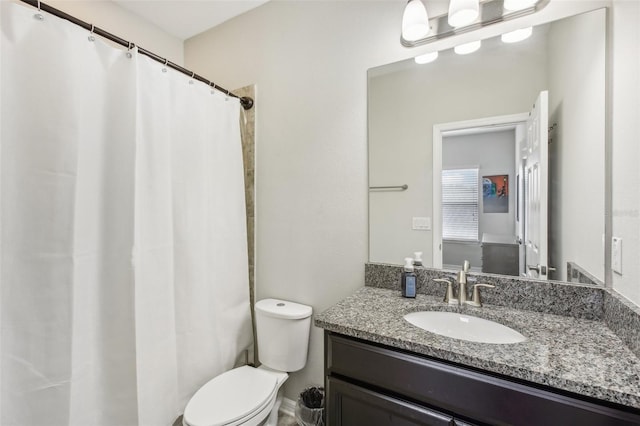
{"x":408,"y":283}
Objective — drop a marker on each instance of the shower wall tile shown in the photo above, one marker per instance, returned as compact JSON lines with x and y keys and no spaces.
{"x":248,"y":133}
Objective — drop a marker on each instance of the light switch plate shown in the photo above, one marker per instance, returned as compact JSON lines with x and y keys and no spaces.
{"x":421,"y":224}
{"x":616,"y":255}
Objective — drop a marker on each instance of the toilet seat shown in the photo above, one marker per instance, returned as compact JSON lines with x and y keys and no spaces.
{"x":231,"y":398}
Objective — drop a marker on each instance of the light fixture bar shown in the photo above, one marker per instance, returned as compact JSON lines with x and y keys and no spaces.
{"x":491,"y":12}
{"x":518,"y":4}
{"x":463,"y":12}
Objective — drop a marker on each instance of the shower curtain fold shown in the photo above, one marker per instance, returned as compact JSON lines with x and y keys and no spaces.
{"x":123,"y":274}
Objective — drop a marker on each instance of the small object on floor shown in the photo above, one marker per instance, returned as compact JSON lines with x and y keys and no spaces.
{"x":310,"y":407}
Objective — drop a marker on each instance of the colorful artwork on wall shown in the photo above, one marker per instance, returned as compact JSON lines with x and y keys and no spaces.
{"x":495,"y":194}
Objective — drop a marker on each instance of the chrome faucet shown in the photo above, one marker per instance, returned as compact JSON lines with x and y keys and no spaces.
{"x":450,"y":296}
{"x":462,"y":283}
{"x":476,"y":300}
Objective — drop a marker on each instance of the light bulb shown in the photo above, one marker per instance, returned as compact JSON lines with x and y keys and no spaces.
{"x":463,"y":12}
{"x":426,"y":58}
{"x":465,"y":49}
{"x":517,"y":35}
{"x":518,"y":4}
{"x":415,"y":21}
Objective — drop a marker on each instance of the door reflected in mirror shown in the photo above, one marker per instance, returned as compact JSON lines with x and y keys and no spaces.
{"x":484,"y":112}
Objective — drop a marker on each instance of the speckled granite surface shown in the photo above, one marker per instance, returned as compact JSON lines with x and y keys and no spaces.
{"x":552,"y":297}
{"x":574,"y":354}
{"x":623,"y":318}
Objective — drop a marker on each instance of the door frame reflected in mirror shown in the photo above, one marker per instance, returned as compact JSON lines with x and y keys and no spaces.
{"x":439,"y":132}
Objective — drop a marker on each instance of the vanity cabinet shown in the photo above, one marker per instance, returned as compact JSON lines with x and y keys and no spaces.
{"x":374,"y":385}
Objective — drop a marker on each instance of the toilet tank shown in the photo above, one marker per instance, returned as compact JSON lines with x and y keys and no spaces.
{"x":283,"y":334}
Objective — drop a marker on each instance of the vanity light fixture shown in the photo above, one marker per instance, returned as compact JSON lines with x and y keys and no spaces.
{"x":415,"y":21}
{"x":465,"y":49}
{"x":463,"y":12}
{"x":517,"y":35}
{"x":426,"y":58}
{"x":464,"y":16}
{"x":512,"y":5}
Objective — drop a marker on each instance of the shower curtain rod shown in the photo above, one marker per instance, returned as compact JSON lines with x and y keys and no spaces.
{"x":245,"y":101}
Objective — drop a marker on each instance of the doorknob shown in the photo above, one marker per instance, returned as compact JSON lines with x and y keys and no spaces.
{"x":542,"y":270}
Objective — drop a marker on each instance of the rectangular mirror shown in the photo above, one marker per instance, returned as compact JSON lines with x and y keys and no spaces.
{"x":502,"y":154}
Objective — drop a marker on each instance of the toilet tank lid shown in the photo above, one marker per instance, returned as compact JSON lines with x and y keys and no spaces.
{"x":283,"y":309}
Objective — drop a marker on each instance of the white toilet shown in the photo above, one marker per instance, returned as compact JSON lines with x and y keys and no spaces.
{"x":251,"y":396}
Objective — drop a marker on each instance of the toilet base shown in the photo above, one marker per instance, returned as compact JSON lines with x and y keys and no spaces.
{"x":272,"y":420}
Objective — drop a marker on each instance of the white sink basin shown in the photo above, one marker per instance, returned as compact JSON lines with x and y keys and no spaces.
{"x":464,"y":327}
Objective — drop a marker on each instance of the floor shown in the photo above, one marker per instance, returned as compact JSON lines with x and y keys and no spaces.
{"x":286,"y":421}
{"x":283,"y":420}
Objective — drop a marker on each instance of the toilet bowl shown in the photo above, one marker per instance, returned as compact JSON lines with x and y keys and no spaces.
{"x":251,"y":396}
{"x":242,"y":396}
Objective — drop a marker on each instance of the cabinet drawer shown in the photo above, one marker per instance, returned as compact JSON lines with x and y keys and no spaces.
{"x":351,"y":405}
{"x":463,"y":392}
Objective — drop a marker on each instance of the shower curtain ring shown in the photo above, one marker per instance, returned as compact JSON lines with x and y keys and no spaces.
{"x":131,"y":45}
{"x":164,"y":69}
{"x":39,"y":16}
{"x":91,"y":37}
{"x":193,"y":74}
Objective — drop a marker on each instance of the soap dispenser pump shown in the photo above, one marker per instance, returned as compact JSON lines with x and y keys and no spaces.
{"x":417,"y":258}
{"x":408,"y":283}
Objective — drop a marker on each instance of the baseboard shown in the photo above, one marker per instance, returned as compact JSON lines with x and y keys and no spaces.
{"x":288,"y":407}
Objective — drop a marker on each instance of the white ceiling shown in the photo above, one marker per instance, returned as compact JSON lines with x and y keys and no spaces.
{"x":186,"y":18}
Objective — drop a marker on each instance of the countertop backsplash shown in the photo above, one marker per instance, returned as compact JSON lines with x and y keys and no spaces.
{"x":623,"y":318}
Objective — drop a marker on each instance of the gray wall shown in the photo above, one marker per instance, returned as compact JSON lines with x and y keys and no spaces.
{"x":310,"y":60}
{"x":626,"y":149}
{"x":576,"y":168}
{"x":110,"y":16}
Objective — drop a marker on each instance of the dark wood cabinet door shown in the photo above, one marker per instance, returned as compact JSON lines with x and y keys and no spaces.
{"x":351,"y":405}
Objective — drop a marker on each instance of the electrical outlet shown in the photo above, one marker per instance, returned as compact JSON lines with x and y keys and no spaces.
{"x":421,"y":223}
{"x":616,"y":255}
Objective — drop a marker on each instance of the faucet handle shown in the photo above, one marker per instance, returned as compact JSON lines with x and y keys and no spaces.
{"x":476,"y":300}
{"x":465,"y":266}
{"x":449,"y":297}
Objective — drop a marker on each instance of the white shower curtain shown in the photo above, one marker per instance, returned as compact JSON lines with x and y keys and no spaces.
{"x":124,"y":262}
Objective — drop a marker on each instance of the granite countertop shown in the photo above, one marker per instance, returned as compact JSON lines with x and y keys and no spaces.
{"x":577,"y":355}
